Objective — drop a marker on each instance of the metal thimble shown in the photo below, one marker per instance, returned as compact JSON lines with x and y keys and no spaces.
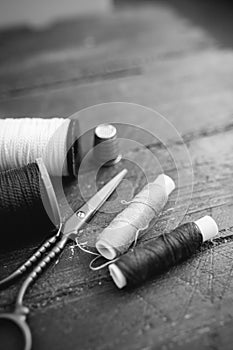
{"x":106,"y":145}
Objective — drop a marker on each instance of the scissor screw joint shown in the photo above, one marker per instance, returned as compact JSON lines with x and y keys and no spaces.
{"x":80,"y":214}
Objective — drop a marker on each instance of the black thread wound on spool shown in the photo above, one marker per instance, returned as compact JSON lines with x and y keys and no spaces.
{"x":22,"y":212}
{"x":154,"y":258}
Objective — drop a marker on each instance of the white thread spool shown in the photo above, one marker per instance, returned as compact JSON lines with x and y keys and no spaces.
{"x":208,"y":228}
{"x":120,"y":234}
{"x":55,"y":140}
{"x":106,"y":147}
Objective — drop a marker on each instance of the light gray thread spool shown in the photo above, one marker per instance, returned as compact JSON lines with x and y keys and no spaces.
{"x":106,"y":145}
{"x":116,"y":239}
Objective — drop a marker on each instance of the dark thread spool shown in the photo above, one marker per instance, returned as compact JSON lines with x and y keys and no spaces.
{"x":28,"y":205}
{"x":154,"y":258}
{"x":106,"y":145}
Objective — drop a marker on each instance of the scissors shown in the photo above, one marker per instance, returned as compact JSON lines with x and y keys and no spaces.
{"x":52,"y":248}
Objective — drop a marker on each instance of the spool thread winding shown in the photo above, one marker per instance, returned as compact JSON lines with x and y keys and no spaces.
{"x":21,"y":201}
{"x":154,"y":258}
{"x":106,"y":145}
{"x":132,"y":221}
{"x":23,"y":140}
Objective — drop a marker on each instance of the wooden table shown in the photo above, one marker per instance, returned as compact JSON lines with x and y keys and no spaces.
{"x":159,"y":57}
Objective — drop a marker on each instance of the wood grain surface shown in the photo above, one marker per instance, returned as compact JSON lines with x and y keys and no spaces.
{"x":163,"y":58}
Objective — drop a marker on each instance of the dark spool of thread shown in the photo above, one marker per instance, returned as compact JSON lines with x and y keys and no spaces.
{"x":154,"y":258}
{"x":23,"y":210}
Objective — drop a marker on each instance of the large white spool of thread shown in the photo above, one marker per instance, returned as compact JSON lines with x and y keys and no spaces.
{"x":116,"y":239}
{"x":55,"y":140}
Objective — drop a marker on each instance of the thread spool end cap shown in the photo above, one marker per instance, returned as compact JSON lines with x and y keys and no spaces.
{"x":105,"y":249}
{"x":105,"y":131}
{"x":166,"y":182}
{"x":208,"y":227}
{"x":117,"y":276}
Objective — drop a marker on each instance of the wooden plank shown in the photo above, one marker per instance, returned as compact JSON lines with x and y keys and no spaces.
{"x":88,"y":310}
{"x":93,"y":49}
{"x":178,"y":100}
{"x":190,"y":85}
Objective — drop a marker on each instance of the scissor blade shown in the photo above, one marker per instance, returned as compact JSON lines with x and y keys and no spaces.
{"x":83,"y":214}
{"x":102,"y":195}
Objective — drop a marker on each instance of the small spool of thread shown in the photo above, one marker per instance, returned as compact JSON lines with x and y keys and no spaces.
{"x":27,"y":200}
{"x":55,"y":140}
{"x":142,"y":263}
{"x":125,"y":228}
{"x":106,"y":145}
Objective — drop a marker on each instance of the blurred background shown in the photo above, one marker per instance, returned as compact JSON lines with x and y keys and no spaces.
{"x":40,"y":13}
{"x":212,"y":15}
{"x":175,"y":56}
{"x":15,"y":12}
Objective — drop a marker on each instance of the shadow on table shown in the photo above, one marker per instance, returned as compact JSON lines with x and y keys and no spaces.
{"x":20,"y":239}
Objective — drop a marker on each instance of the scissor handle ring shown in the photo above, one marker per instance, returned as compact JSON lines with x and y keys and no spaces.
{"x":20,"y":322}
